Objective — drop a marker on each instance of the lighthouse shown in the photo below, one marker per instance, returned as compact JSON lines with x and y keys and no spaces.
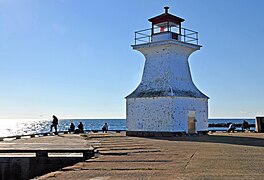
{"x":166,"y":102}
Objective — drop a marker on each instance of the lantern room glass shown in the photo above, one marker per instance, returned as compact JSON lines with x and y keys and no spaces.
{"x":166,"y":27}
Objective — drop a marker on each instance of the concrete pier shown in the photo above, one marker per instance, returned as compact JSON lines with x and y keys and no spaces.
{"x":22,"y":159}
{"x":214,"y":156}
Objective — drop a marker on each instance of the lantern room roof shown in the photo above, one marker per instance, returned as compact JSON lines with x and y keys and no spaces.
{"x":166,"y":17}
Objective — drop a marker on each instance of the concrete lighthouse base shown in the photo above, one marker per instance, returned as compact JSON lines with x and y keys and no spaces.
{"x":166,"y":116}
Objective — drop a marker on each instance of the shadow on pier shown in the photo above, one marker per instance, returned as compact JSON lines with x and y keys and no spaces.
{"x":23,"y":158}
{"x":23,"y":168}
{"x":234,"y":139}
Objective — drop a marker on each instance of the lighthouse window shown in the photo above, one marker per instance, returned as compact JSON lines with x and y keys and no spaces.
{"x":165,"y":27}
{"x":161,"y":27}
{"x":174,"y":28}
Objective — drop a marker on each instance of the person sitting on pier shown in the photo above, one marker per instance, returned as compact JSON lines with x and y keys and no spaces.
{"x":245,"y":125}
{"x":105,"y":128}
{"x":54,"y":124}
{"x":232,"y":127}
{"x":72,"y":128}
{"x":80,"y":129}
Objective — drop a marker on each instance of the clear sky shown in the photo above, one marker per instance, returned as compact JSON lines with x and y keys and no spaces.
{"x":73,"y":58}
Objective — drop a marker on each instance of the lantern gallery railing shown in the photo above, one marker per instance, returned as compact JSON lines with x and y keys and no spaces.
{"x":183,"y":34}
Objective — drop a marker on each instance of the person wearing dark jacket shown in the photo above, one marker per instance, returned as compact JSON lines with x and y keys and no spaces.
{"x":54,"y":124}
{"x":80,"y":129}
{"x":105,"y":128}
{"x":72,"y":128}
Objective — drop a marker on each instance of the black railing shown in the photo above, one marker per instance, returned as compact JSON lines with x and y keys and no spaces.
{"x":184,"y":35}
{"x":143,"y":36}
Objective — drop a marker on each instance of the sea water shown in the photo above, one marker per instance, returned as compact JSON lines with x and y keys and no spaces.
{"x":229,"y":121}
{"x":12,"y":127}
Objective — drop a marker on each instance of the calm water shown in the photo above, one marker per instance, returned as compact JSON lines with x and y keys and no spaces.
{"x":19,"y":127}
{"x":226,"y":121}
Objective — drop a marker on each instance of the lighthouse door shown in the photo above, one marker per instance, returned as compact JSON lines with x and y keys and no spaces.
{"x":191,"y":122}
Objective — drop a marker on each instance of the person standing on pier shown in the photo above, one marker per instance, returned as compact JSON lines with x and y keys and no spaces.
{"x":54,"y":124}
{"x":105,"y":128}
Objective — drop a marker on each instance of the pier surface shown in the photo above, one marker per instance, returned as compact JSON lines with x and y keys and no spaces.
{"x":25,"y":158}
{"x":216,"y":156}
{"x":213,"y":156}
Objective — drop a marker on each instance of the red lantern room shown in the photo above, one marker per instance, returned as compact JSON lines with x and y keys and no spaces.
{"x":166,"y":22}
{"x":166,"y":27}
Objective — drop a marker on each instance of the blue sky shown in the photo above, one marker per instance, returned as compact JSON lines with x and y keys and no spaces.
{"x":73,"y":58}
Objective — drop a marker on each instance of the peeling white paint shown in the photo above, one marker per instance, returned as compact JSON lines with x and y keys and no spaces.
{"x":166,"y":93}
{"x":165,"y":114}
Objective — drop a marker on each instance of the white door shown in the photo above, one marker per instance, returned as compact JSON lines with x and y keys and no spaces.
{"x":191,"y":122}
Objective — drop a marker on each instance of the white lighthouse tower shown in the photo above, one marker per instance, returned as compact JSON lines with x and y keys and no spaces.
{"x":166,"y":102}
